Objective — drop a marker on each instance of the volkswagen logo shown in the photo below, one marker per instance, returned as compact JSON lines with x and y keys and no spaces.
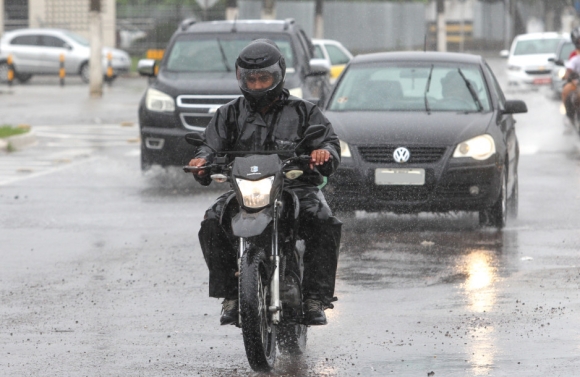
{"x":401,"y":155}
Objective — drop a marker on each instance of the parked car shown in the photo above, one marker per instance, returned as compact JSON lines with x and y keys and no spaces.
{"x":38,"y":51}
{"x":335,"y":53}
{"x":424,"y":131}
{"x":196,"y":76}
{"x":528,"y":60}
{"x":563,"y":51}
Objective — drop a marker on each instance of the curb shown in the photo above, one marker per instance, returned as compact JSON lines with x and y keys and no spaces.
{"x":18,"y":141}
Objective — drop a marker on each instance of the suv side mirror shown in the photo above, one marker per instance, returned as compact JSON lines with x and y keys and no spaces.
{"x":515,"y":107}
{"x":319,"y":67}
{"x":146,"y":67}
{"x":504,"y":53}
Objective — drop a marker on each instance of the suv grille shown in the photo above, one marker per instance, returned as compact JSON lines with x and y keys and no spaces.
{"x":538,"y":72}
{"x":384,"y":153}
{"x":197,"y":110}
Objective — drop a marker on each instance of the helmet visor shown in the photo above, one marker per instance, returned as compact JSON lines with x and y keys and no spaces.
{"x":259,"y":80}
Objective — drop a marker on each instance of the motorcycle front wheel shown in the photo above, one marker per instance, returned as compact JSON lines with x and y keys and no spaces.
{"x":258,"y":331}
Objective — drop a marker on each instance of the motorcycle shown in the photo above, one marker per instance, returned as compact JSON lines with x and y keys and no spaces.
{"x":264,"y":219}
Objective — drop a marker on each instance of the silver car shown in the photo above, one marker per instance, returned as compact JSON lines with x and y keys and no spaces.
{"x":38,"y":52}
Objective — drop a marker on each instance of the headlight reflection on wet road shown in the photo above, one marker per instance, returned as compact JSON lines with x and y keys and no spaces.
{"x":481,"y":294}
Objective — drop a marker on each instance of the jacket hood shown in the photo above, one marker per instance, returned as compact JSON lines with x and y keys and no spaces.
{"x":418,"y":128}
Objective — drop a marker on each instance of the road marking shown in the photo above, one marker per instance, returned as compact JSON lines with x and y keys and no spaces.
{"x":61,"y":147}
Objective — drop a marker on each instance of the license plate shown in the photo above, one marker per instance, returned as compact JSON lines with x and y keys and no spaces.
{"x":543,"y":81}
{"x":400,"y":177}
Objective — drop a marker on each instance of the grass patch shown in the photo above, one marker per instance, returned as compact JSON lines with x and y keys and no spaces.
{"x":7,"y":130}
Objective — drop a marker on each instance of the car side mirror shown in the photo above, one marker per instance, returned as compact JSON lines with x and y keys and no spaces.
{"x":146,"y":67}
{"x":67,"y":46}
{"x":558,"y":62}
{"x":194,"y":139}
{"x":315,"y":131}
{"x":504,"y":53}
{"x":515,"y":107}
{"x":319,"y":67}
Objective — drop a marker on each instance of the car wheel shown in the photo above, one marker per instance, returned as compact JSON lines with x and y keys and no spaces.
{"x":497,"y":213}
{"x":85,"y":73}
{"x":3,"y":72}
{"x":23,"y":77}
{"x":513,"y":201}
{"x":145,"y":161}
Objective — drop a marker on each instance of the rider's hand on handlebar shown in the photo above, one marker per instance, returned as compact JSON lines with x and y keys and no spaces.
{"x":319,"y":157}
{"x":198,"y":162}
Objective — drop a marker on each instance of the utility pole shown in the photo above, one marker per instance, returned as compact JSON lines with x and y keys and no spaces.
{"x":96,"y":40}
{"x":318,"y":20}
{"x":441,"y":27}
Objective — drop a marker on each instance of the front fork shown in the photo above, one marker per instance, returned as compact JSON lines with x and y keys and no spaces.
{"x":275,"y":306}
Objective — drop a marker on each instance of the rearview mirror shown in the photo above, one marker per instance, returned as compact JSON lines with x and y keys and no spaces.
{"x":146,"y":67}
{"x":319,"y":67}
{"x":515,"y":107}
{"x":194,"y":139}
{"x":314,"y":131}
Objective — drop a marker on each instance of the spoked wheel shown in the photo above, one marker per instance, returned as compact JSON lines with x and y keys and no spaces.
{"x":292,"y":338}
{"x":257,"y":328}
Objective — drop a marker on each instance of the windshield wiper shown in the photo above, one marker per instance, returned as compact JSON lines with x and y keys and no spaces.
{"x":224,"y":59}
{"x":427,"y":108}
{"x":471,"y":91}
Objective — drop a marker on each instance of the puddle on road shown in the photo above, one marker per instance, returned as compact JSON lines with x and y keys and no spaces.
{"x":408,"y":251}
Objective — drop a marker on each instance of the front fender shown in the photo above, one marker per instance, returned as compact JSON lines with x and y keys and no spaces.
{"x":246,"y":224}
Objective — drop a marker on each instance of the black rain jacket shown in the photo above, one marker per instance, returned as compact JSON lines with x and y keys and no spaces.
{"x":237,"y":127}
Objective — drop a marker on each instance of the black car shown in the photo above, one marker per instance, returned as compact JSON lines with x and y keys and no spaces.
{"x":196,"y":76}
{"x":424,"y":132}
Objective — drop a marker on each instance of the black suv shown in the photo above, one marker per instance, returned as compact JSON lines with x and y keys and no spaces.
{"x":197,"y":75}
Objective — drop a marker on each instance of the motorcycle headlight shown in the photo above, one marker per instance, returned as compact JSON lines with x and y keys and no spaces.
{"x":256,"y":194}
{"x":478,"y":148}
{"x":561,"y":73}
{"x":296,"y":92}
{"x":159,"y":101}
{"x":344,"y":149}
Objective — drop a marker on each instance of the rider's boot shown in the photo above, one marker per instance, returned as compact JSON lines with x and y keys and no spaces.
{"x":314,"y":312}
{"x":229,"y":312}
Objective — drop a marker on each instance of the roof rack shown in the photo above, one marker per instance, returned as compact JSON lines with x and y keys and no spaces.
{"x":288,"y":22}
{"x":187,"y":23}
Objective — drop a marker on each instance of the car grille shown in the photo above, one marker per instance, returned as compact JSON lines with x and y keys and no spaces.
{"x":538,"y":72}
{"x":384,"y":153}
{"x":197,"y":110}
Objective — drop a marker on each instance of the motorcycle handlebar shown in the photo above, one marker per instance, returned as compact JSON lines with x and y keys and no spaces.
{"x":194,"y":169}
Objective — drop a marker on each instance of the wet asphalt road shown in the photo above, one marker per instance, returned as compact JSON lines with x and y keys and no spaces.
{"x":102,"y":273}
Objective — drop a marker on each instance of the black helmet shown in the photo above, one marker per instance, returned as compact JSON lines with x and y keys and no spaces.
{"x":575,"y":36}
{"x":261,"y":71}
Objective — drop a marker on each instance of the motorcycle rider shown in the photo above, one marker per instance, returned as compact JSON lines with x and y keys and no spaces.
{"x":267,"y":117}
{"x":570,"y":97}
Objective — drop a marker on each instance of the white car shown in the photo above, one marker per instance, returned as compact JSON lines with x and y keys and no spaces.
{"x":529,"y":58}
{"x":38,"y":51}
{"x":333,"y":52}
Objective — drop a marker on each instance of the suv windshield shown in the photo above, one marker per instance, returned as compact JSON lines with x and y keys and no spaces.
{"x":408,"y":86}
{"x":536,"y":46}
{"x":217,"y":53}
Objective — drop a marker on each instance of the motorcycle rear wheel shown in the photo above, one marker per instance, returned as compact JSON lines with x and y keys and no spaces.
{"x":258,"y":331}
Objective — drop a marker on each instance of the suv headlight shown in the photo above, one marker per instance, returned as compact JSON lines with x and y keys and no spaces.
{"x":256,"y":194}
{"x":296,"y":92}
{"x":159,"y":101}
{"x":479,"y":148}
{"x":344,"y":149}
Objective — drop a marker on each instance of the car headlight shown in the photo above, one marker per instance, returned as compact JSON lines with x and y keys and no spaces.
{"x":561,"y":73}
{"x":514,"y":68}
{"x":296,"y":92}
{"x":344,"y":149}
{"x":256,"y":194}
{"x":159,"y":101}
{"x":478,"y":148}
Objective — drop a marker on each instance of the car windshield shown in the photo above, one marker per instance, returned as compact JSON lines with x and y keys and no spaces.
{"x":566,"y":50}
{"x":536,"y":46}
{"x":405,"y":86}
{"x":218,"y":53}
{"x":77,"y":38}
